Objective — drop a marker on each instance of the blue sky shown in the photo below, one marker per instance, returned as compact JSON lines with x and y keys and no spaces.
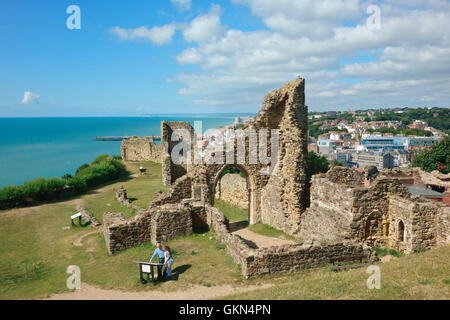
{"x":134,"y":57}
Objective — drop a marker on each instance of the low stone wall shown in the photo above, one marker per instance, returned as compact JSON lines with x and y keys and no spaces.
{"x":122,"y":197}
{"x":232,"y":188}
{"x":182,"y":189}
{"x":443,"y":226}
{"x":287,"y":258}
{"x":89,"y":218}
{"x":170,"y":221}
{"x":329,"y":216}
{"x":157,"y":224}
{"x":290,"y":258}
{"x":141,"y":149}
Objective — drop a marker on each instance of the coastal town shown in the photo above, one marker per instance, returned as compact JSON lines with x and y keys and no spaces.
{"x":357,"y":139}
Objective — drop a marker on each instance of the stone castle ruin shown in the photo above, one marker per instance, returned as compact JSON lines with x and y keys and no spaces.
{"x":349,"y":211}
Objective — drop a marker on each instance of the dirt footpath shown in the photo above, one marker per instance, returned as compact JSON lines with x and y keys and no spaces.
{"x":88,"y":292}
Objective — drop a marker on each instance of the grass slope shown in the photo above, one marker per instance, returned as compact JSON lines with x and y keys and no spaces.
{"x":35,"y":252}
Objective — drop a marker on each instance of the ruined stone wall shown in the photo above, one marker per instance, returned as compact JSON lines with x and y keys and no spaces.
{"x":141,"y":149}
{"x":171,"y":170}
{"x":290,"y":258}
{"x":122,"y":198}
{"x":443,"y":226}
{"x":343,"y":209}
{"x":287,"y":258}
{"x":419,"y":218}
{"x":284,"y":197}
{"x":170,"y":221}
{"x":157,"y":224}
{"x":370,"y":207}
{"x":121,"y":234}
{"x":182,"y":189}
{"x":329,"y":216}
{"x":232,"y":188}
{"x":279,"y":197}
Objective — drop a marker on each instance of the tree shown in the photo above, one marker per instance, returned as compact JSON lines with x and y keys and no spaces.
{"x":316,"y":164}
{"x":336,"y":163}
{"x":437,"y":158}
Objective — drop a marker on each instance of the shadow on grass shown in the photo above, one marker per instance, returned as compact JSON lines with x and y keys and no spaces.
{"x":179,"y":270}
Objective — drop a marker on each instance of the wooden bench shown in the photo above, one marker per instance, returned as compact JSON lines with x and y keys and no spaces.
{"x":148,"y":269}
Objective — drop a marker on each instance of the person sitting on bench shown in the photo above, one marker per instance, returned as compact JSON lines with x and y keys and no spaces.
{"x":160,"y":253}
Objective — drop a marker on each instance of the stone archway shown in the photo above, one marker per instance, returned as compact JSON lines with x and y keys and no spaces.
{"x":252,"y":217}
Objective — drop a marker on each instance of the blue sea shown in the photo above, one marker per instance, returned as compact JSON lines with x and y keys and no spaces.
{"x":51,"y":147}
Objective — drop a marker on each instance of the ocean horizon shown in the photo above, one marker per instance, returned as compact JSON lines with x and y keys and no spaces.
{"x":53,"y":146}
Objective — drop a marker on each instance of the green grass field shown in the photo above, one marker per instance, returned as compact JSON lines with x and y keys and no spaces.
{"x":233,"y":214}
{"x":36,"y":249}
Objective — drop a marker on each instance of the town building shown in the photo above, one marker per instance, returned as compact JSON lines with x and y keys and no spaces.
{"x":367,"y":159}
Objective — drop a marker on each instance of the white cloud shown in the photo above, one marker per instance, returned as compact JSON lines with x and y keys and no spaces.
{"x":182,"y":4}
{"x":205,"y":27}
{"x":30,"y":97}
{"x":410,"y":54}
{"x":304,"y":17}
{"x":157,"y":35}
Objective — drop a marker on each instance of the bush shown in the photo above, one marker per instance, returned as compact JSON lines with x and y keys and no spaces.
{"x":77,"y":185}
{"x":437,"y":158}
{"x":81,"y":168}
{"x":101,"y":159}
{"x":103,"y":169}
{"x":316,"y":164}
{"x":11,"y":196}
{"x":67,"y":176}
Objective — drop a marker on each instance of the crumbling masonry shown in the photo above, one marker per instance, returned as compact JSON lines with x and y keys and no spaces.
{"x":349,"y":211}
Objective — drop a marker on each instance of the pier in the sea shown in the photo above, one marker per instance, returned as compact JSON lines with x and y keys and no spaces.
{"x":118,"y":138}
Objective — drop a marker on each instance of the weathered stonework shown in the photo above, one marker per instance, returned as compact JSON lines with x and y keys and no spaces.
{"x":382,"y":214}
{"x":287,"y":258}
{"x":276,"y":198}
{"x":349,"y":210}
{"x":121,"y":196}
{"x":159,"y":224}
{"x":232,"y":188}
{"x":141,"y":149}
{"x":172,"y":171}
{"x":87,"y":217}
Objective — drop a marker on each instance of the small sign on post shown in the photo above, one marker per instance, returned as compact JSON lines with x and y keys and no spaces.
{"x":147,"y":268}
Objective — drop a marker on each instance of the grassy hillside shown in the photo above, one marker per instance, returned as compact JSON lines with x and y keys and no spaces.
{"x":36,"y":248}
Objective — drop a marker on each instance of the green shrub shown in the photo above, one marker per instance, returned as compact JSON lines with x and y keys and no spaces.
{"x":380,"y":252}
{"x":81,"y":168}
{"x":437,"y":158}
{"x":101,"y":159}
{"x":67,"y":176}
{"x":43,"y":189}
{"x":77,"y":185}
{"x":11,"y":196}
{"x":103,"y":169}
